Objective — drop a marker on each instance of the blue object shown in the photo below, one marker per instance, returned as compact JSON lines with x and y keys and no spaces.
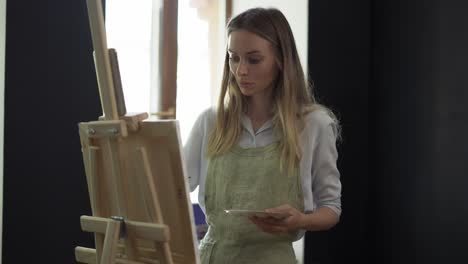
{"x":200,"y":222}
{"x":199,"y":215}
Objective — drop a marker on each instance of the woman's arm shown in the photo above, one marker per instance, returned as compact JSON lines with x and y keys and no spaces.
{"x":322,"y":219}
{"x":326,"y":185}
{"x":193,"y":153}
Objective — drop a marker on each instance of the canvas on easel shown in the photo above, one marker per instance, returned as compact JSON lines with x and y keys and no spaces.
{"x":135,"y":174}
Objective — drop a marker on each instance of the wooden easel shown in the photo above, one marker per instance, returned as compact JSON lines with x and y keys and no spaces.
{"x":139,"y":197}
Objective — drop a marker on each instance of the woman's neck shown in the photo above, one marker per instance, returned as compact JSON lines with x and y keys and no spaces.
{"x":259,"y":108}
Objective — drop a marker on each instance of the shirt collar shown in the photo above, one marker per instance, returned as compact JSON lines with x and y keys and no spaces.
{"x":247,"y":124}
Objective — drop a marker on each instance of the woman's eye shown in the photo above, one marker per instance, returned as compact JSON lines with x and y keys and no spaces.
{"x":234,"y":58}
{"x":254,"y":60}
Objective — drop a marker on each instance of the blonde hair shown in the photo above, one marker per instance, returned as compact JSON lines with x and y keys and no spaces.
{"x":291,"y":95}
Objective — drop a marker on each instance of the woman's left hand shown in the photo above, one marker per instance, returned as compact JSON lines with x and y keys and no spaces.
{"x":279,"y":226}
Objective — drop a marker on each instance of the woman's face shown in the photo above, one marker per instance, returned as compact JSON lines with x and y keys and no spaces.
{"x":252,"y":62}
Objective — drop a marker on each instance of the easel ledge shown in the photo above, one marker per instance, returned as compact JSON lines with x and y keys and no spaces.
{"x":114,"y":229}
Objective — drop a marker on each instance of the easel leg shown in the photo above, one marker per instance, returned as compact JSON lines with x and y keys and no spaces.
{"x":153,"y":209}
{"x":115,"y":183}
{"x":120,"y":192}
{"x":110,"y":242}
{"x":92,"y":188}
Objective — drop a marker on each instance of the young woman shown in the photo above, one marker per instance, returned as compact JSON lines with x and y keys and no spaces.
{"x":268,"y":146}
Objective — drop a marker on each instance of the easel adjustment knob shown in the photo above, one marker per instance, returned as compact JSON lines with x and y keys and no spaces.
{"x":114,"y":131}
{"x":120,"y":219}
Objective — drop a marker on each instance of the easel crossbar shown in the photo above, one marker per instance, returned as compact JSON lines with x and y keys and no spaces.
{"x":141,"y":230}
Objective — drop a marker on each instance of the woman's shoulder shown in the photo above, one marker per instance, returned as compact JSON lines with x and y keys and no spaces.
{"x":207,"y":117}
{"x":320,"y":120}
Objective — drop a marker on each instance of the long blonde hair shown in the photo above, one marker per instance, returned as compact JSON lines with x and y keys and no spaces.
{"x":291,"y":95}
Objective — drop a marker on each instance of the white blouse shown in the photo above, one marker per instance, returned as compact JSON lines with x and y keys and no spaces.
{"x":320,"y":177}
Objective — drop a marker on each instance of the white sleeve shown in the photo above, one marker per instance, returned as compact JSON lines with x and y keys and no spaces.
{"x":326,"y":185}
{"x":193,"y":152}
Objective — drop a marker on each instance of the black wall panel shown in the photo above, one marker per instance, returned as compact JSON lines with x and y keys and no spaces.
{"x":50,"y":87}
{"x":408,"y":203}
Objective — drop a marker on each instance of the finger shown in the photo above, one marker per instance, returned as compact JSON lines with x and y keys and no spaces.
{"x":255,"y":220}
{"x":274,"y":229}
{"x":261,"y":227}
{"x":267,"y":220}
{"x":272,"y":221}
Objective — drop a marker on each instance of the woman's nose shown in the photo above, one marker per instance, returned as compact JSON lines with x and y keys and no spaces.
{"x":242,"y":68}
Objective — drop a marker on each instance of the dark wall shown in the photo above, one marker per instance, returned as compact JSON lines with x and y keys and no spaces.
{"x":50,"y":87}
{"x":339,"y":65}
{"x":396,"y":73}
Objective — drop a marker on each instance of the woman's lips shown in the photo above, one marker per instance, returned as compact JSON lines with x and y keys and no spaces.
{"x":246,"y":84}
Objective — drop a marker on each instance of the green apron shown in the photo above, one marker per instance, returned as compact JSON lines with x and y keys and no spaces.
{"x":247,"y":179}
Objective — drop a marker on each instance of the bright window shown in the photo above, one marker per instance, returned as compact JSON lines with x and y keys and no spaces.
{"x":130,"y":30}
{"x":194,"y":82}
{"x":133,"y":29}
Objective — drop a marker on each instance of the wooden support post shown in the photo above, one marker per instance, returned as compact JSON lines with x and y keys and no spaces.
{"x":101,"y":60}
{"x":111,"y":239}
{"x":153,"y":209}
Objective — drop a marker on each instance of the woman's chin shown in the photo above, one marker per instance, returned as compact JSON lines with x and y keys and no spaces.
{"x":247,"y":92}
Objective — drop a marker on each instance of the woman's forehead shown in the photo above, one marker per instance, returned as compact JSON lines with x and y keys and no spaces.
{"x":242,"y":41}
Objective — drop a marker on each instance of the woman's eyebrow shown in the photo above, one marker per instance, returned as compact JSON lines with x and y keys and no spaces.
{"x":253,"y":51}
{"x":250,"y":52}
